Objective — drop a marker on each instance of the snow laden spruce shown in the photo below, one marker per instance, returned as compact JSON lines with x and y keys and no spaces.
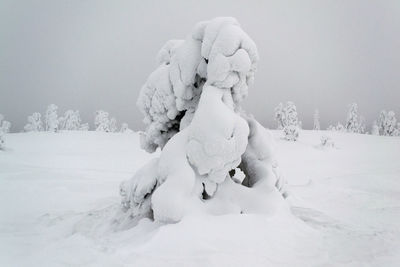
{"x":214,"y":158}
{"x":4,"y":128}
{"x":286,"y":117}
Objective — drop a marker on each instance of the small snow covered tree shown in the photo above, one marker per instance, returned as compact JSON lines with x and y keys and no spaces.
{"x":113,"y":125}
{"x":362,"y":126}
{"x":331,"y":128}
{"x":125,"y":128}
{"x":291,"y":127}
{"x":381,"y":121}
{"x":375,"y":128}
{"x":102,"y":121}
{"x":397,"y":131}
{"x":70,"y":121}
{"x":51,"y":118}
{"x":214,"y":157}
{"x":387,"y":123}
{"x":352,"y":122}
{"x":34,"y":123}
{"x":2,"y":141}
{"x":279,"y":116}
{"x":5,"y":126}
{"x":340,"y":128}
{"x":317,"y":126}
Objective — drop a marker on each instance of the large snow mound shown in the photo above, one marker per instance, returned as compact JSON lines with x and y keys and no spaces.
{"x":58,"y":197}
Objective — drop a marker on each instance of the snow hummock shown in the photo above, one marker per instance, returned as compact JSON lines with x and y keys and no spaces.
{"x":59,"y":200}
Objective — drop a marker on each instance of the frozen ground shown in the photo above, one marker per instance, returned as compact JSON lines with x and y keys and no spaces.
{"x":59,"y":195}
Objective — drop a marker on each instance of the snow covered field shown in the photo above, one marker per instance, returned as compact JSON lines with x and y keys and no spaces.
{"x":59,"y":195}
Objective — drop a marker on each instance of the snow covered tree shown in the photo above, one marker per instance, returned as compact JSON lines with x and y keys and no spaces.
{"x":331,"y":128}
{"x":214,"y":157}
{"x":34,"y":123}
{"x":113,"y":125}
{"x":397,"y":130}
{"x":291,"y":127}
{"x":125,"y":128}
{"x":317,"y":126}
{"x":387,"y":123}
{"x":5,"y":126}
{"x":102,"y":121}
{"x":361,"y":125}
{"x":70,"y":121}
{"x":375,"y":128}
{"x":51,"y":118}
{"x":2,"y":141}
{"x":381,"y":121}
{"x":340,"y":127}
{"x":390,"y":124}
{"x":352,"y":122}
{"x":279,"y":116}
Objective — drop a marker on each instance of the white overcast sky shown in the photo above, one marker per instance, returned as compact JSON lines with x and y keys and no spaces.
{"x":92,"y":54}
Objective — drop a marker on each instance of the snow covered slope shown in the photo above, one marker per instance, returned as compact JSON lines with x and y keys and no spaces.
{"x":59,"y":201}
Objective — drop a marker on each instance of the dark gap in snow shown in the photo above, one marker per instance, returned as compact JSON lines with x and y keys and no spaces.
{"x":204,"y":195}
{"x":178,"y":119}
{"x":246,"y":180}
{"x":199,"y":82}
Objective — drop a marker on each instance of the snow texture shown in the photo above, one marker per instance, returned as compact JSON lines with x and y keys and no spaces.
{"x":211,"y":151}
{"x":59,"y":207}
